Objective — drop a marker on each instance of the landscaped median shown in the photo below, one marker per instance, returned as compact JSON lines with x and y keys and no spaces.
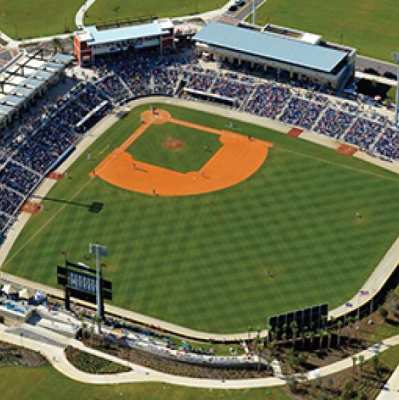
{"x":92,"y":364}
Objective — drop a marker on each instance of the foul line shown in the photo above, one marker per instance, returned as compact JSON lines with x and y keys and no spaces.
{"x":47,"y":223}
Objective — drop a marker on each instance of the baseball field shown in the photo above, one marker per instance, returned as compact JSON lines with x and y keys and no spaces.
{"x":308,"y":226}
{"x":368,"y":25}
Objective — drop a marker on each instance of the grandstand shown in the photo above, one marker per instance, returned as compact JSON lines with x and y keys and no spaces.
{"x":43,"y":135}
{"x":26,"y":77}
{"x":39,"y":140}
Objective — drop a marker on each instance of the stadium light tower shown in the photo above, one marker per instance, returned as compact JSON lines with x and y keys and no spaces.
{"x":253,"y":12}
{"x":396,"y":57}
{"x":99,"y":251}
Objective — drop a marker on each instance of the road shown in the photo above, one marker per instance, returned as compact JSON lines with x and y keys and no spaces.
{"x":382,"y":67}
{"x":244,"y":12}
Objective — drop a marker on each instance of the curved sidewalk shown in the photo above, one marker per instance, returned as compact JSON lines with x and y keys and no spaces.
{"x":377,"y":279}
{"x":80,"y":15}
{"x":391,"y":388}
{"x":54,"y":352}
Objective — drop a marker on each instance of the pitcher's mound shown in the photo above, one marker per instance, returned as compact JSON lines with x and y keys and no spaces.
{"x":173,"y":144}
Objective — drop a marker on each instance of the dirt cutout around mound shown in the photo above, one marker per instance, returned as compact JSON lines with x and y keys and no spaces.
{"x":173,"y":144}
{"x":238,"y":159}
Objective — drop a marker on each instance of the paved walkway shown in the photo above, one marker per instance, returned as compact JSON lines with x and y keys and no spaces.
{"x":376,"y":280}
{"x":80,"y":15}
{"x":53,"y":350}
{"x":377,"y":79}
{"x":11,"y":43}
{"x":207,"y":15}
{"x":391,"y":388}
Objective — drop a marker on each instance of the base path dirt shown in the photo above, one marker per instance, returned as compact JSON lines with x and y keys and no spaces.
{"x":238,"y":159}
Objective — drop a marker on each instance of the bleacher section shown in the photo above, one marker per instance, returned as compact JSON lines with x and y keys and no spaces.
{"x":34,"y":146}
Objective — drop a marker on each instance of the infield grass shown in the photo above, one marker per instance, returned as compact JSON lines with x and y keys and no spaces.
{"x":309,"y":227}
{"x":44,"y":383}
{"x":194,"y":147}
{"x":21,"y":19}
{"x":113,"y":10}
{"x":368,"y":25}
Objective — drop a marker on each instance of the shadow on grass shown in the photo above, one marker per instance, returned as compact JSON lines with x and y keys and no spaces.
{"x":95,"y":207}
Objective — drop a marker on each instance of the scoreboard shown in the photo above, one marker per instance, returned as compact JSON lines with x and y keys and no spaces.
{"x":80,"y":282}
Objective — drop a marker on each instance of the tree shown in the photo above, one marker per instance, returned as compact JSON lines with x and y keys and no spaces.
{"x":339,"y":325}
{"x":293,"y":384}
{"x":302,"y":358}
{"x":349,"y":391}
{"x":324,"y":333}
{"x":294,"y":330}
{"x":304,"y":335}
{"x":363,"y":396}
{"x":377,"y":366}
{"x":354,"y":363}
{"x":383,"y":312}
{"x":361,"y":363}
{"x":258,"y":347}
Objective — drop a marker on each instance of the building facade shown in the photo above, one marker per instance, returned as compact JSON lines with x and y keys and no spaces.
{"x":298,"y":54}
{"x":93,"y":41}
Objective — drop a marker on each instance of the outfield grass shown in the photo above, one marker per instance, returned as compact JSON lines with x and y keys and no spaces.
{"x":111,"y":10}
{"x":197,"y":147}
{"x":287,"y":237}
{"x":44,"y":383}
{"x":368,"y":25}
{"x":23,"y":19}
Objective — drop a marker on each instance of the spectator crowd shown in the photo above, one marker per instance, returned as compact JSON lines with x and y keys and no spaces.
{"x":31,"y":148}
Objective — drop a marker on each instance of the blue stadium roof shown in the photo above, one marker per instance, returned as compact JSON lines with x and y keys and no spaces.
{"x":271,"y":46}
{"x":123,"y":33}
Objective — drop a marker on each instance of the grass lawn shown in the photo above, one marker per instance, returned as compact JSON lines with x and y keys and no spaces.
{"x":287,"y":237}
{"x":23,"y":19}
{"x":192,"y":150}
{"x":368,"y":25}
{"x":44,"y":383}
{"x":111,"y":10}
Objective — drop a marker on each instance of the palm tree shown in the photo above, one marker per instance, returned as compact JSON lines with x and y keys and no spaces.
{"x":354,"y":363}
{"x":311,"y":337}
{"x":361,"y":363}
{"x":294,"y":330}
{"x":377,"y":366}
{"x":339,"y":326}
{"x":321,"y":333}
{"x":304,"y":335}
